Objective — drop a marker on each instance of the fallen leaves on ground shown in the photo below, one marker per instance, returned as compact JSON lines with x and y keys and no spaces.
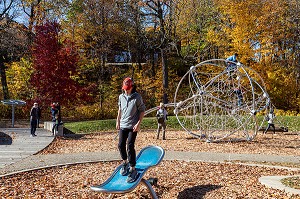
{"x":278,"y":144}
{"x":176,"y":179}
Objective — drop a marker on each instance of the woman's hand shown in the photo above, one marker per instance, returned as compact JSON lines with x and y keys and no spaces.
{"x":118,"y":125}
{"x":136,"y":127}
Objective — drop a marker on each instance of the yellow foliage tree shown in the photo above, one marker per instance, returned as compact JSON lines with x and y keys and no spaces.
{"x":264,"y":34}
{"x":195,"y":18}
{"x":18,"y":75}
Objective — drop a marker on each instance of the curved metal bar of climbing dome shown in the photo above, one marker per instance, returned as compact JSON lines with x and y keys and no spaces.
{"x":151,"y":110}
{"x":203,"y":87}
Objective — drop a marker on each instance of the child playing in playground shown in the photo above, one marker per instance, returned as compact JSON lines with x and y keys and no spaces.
{"x":233,"y":58}
{"x":130,"y":115}
{"x":161,"y":116}
{"x":232,"y":63}
{"x":239,"y":95}
{"x":270,"y":117}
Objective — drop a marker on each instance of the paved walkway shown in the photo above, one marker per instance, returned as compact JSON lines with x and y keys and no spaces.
{"x":17,"y":155}
{"x":16,"y":144}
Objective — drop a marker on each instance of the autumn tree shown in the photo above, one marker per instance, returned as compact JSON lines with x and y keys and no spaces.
{"x":13,"y":45}
{"x":195,"y":20}
{"x":159,"y":16}
{"x":103,"y":30}
{"x":35,"y":12}
{"x":18,"y":78}
{"x":54,"y":64}
{"x":266,"y":37}
{"x":5,"y":9}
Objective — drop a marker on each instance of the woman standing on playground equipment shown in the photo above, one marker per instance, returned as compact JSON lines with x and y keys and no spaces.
{"x":130,"y":115}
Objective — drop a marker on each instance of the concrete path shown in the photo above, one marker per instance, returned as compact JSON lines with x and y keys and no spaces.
{"x":16,"y":144}
{"x":17,"y":155}
{"x":274,"y":182}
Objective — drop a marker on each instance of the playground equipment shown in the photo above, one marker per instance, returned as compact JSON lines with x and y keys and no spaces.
{"x":217,"y":102}
{"x":149,"y":156}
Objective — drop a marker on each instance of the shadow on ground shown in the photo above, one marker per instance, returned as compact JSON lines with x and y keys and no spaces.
{"x":197,"y":191}
{"x":68,"y":134}
{"x":5,"y":139}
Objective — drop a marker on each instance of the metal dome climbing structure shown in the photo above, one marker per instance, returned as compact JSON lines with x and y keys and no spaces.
{"x":218,"y":100}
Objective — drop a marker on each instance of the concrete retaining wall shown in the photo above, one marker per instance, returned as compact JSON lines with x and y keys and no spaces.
{"x":49,"y":126}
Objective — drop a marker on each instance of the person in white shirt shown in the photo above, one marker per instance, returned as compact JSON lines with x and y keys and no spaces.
{"x":271,"y":117}
{"x":161,"y":116}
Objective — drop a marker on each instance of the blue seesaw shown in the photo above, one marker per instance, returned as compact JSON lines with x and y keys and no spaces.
{"x":116,"y":184}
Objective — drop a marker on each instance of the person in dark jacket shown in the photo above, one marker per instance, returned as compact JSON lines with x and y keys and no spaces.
{"x":35,"y":114}
{"x":54,"y":114}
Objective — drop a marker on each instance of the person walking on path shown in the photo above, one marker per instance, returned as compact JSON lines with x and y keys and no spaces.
{"x":34,"y":117}
{"x":270,"y":119}
{"x":161,"y":116}
{"x":130,"y":115}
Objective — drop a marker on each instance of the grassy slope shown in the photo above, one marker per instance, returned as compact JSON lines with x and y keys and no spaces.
{"x":293,"y":123}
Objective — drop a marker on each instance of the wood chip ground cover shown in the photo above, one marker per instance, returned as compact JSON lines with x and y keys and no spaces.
{"x":177,"y":179}
{"x":278,"y":144}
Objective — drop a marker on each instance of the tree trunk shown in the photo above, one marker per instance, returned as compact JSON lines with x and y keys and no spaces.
{"x":3,"y":81}
{"x":153,"y":62}
{"x":165,"y":75}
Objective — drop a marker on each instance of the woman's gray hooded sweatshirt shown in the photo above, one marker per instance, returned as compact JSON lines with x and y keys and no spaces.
{"x":131,"y":107}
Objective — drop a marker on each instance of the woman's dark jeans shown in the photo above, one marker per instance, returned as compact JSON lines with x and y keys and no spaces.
{"x":129,"y":136}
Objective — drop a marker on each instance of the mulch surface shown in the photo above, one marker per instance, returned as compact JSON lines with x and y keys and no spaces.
{"x":278,"y":144}
{"x":176,"y":179}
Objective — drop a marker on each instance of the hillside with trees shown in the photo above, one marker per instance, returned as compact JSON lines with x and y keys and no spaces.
{"x":78,"y":52}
